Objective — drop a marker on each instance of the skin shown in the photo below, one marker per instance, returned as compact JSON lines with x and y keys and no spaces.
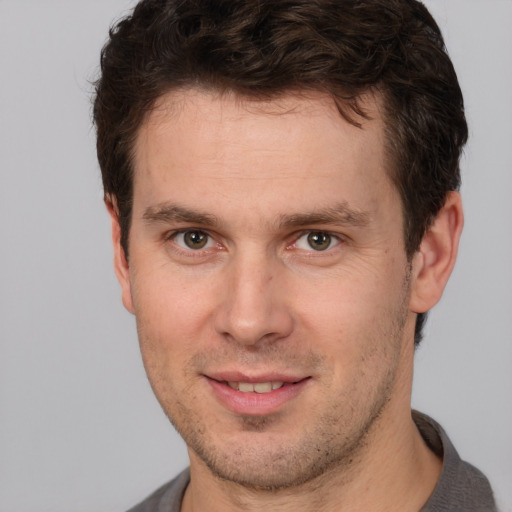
{"x":253,"y":180}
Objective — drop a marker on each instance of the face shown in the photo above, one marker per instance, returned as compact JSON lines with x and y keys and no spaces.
{"x":269,"y":280}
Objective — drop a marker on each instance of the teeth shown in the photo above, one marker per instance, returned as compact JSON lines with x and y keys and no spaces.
{"x":245,"y":387}
{"x":263,"y":387}
{"x":259,"y":387}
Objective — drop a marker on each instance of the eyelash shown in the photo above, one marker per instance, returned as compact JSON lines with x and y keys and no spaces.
{"x":188,"y":252}
{"x":334,"y":241}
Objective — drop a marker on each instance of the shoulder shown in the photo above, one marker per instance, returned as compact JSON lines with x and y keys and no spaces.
{"x":166,"y":498}
{"x":461,"y":486}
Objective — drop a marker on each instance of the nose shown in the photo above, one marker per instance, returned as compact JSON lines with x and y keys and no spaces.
{"x":254,"y":306}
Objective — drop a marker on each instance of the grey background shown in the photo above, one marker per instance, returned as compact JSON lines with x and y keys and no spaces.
{"x":80,"y":430}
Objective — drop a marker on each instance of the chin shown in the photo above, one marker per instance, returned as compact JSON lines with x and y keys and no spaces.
{"x":260,"y":460}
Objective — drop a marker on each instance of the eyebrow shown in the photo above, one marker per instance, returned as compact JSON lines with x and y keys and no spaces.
{"x":340,"y":214}
{"x":168,"y":213}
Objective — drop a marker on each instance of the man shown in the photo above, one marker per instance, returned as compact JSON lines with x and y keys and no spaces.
{"x":282,"y":180}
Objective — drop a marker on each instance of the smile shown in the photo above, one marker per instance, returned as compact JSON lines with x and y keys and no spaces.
{"x":261,"y":396}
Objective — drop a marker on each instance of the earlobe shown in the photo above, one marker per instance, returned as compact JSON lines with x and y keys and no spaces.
{"x":121,"y":267}
{"x":434,"y":261}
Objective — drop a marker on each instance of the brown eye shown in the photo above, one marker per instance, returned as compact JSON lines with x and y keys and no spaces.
{"x":192,"y":239}
{"x":319,"y":240}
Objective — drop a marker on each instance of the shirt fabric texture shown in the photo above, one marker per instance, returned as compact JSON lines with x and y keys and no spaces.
{"x":461,"y":487}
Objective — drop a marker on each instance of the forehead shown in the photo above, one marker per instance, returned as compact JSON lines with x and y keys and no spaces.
{"x":196,"y":140}
{"x":189,"y":105}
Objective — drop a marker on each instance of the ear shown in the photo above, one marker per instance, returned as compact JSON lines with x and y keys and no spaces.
{"x":121,"y":267}
{"x":434,"y":261}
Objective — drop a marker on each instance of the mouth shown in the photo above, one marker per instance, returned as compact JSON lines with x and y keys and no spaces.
{"x":256,"y":396}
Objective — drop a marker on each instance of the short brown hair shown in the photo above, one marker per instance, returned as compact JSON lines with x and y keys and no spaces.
{"x":266,"y":47}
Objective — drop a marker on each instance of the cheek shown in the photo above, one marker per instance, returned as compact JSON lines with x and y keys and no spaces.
{"x":339,"y":303}
{"x":354,"y":320}
{"x":171,"y":314}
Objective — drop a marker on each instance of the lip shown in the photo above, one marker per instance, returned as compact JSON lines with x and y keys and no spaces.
{"x":255,"y":404}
